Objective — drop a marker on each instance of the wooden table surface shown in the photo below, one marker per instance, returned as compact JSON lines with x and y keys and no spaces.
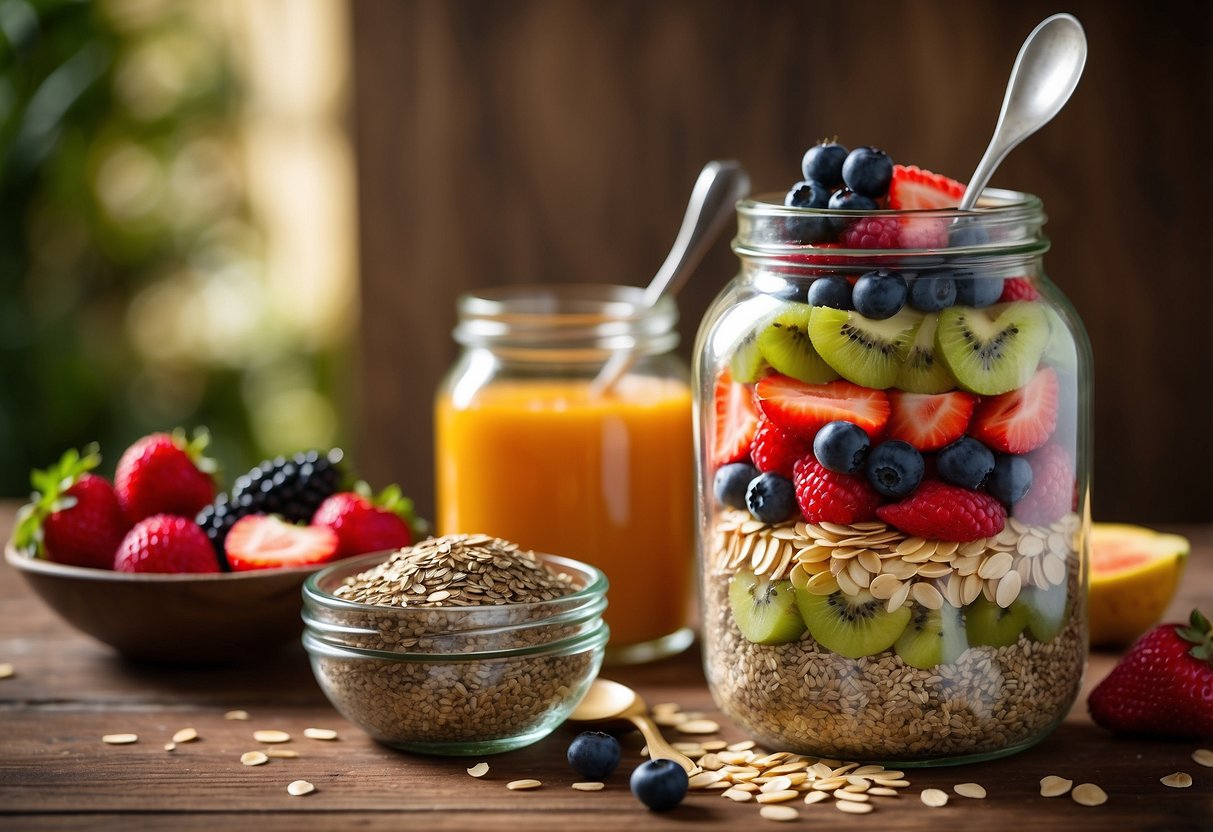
{"x":55,"y":773}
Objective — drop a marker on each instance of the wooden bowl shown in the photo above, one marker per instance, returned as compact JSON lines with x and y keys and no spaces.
{"x":187,"y":619}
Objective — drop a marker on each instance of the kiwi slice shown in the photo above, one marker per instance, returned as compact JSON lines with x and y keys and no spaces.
{"x":852,"y":625}
{"x":786,"y":346}
{"x":932,"y":637}
{"x":765,"y":611}
{"x":863,"y":351}
{"x":1046,"y":611}
{"x":992,"y":350}
{"x":989,"y":624}
{"x":747,"y":364}
{"x":922,"y":369}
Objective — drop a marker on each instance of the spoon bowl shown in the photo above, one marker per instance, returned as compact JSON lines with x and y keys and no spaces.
{"x":609,"y":704}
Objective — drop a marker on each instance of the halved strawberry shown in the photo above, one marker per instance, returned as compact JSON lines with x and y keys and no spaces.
{"x":802,"y":409}
{"x":261,"y":541}
{"x":913,"y":188}
{"x":736,"y":420}
{"x":928,"y":422}
{"x":1021,"y":420}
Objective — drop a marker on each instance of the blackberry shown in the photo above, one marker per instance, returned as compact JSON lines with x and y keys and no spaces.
{"x":292,"y":487}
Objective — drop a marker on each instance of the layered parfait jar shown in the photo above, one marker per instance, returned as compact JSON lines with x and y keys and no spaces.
{"x":893,"y":484}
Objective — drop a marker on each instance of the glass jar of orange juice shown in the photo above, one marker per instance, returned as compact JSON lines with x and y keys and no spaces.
{"x":530,"y":449}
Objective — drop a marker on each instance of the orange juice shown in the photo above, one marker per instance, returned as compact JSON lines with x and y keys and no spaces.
{"x":606,"y":480}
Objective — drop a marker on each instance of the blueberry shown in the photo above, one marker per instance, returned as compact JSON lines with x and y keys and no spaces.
{"x":808,"y":194}
{"x":771,"y":498}
{"x":845,"y":200}
{"x":894,"y":468}
{"x":731,"y":483}
{"x":966,"y":462}
{"x":792,"y":290}
{"x":977,"y":290}
{"x":841,"y":446}
{"x":823,"y":163}
{"x":880,"y":294}
{"x":933,"y":291}
{"x":833,"y":292}
{"x":962,"y":234}
{"x":1010,"y":480}
{"x":594,"y":755}
{"x":868,"y":171}
{"x":659,"y":784}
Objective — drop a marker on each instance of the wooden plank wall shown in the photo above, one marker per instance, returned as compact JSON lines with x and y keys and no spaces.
{"x":557,"y":140}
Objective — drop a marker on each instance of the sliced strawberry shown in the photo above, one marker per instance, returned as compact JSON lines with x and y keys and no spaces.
{"x":802,"y":409}
{"x":913,"y":188}
{"x":1018,"y":288}
{"x":928,"y":422}
{"x":736,"y":420}
{"x":1021,"y":420}
{"x":261,"y":541}
{"x":774,"y":449}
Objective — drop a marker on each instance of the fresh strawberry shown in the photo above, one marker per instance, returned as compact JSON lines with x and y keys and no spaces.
{"x":73,"y":516}
{"x":913,"y":188}
{"x":802,"y":409}
{"x":928,"y":422}
{"x":736,"y":420}
{"x":166,"y":543}
{"x":1053,"y":493}
{"x":938,"y":511}
{"x":263,"y":541}
{"x":1021,"y":420}
{"x":165,"y":474}
{"x":830,"y":497}
{"x":1018,"y":288}
{"x":776,"y":450}
{"x":365,"y":523}
{"x":1163,"y":687}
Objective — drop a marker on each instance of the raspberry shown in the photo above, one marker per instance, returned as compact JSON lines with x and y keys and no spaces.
{"x":827,"y":496}
{"x":945,"y":512}
{"x":872,"y":232}
{"x":1018,"y":288}
{"x":1052,"y":494}
{"x":776,"y":450}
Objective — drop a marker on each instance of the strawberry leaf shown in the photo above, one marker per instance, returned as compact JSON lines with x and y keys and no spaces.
{"x":49,"y":484}
{"x":1200,"y":633}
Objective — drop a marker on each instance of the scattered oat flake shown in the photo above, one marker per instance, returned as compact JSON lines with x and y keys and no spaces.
{"x":120,"y":739}
{"x":520,"y":785}
{"x":589,"y":787}
{"x":320,"y":733}
{"x":1203,"y":756}
{"x":1178,"y":780}
{"x":185,"y":735}
{"x":299,"y":788}
{"x":778,"y":813}
{"x":698,"y":726}
{"x":1054,"y":786}
{"x":934,"y":798}
{"x":974,"y":790}
{"x":253,"y":758}
{"x":853,"y":808}
{"x":236,"y":715}
{"x":283,"y":753}
{"x":6,"y":670}
{"x":271,"y":736}
{"x":1088,"y":794}
{"x":170,"y":746}
{"x":479,"y":770}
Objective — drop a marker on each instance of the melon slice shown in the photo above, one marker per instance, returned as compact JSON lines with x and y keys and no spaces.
{"x":1134,"y":574}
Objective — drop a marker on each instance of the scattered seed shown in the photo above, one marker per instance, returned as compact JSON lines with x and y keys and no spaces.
{"x":779,"y":813}
{"x":185,"y":735}
{"x":737,"y":795}
{"x":1178,"y":780}
{"x":892,"y":784}
{"x":1054,"y":786}
{"x":6,"y":670}
{"x":120,"y":739}
{"x":1203,"y":756}
{"x":777,"y":797}
{"x":974,"y":790}
{"x":704,"y":779}
{"x":170,"y":746}
{"x":934,"y":798}
{"x":746,"y":745}
{"x":666,"y":707}
{"x":854,"y":797}
{"x":815,"y":797}
{"x":479,"y":770}
{"x":589,"y":787}
{"x":1088,"y":794}
{"x":698,"y":726}
{"x":776,"y":784}
{"x":669,"y":719}
{"x":271,"y":736}
{"x":320,"y":733}
{"x":236,"y":715}
{"x":299,"y":788}
{"x":253,"y":758}
{"x":714,"y":745}
{"x":521,"y":785}
{"x":883,"y":791}
{"x":284,"y":753}
{"x":853,"y":808}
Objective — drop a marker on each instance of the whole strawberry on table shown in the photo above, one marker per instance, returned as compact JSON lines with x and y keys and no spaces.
{"x":165,"y":513}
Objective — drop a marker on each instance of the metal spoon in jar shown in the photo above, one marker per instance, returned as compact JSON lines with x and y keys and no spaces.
{"x":1047,"y":70}
{"x":719,"y":186}
{"x":609,"y":701}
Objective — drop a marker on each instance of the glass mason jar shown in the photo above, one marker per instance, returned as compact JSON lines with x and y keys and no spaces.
{"x":893,"y":502}
{"x":532,"y":450}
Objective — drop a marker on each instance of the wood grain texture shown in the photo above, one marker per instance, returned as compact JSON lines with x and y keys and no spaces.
{"x":557,"y":140}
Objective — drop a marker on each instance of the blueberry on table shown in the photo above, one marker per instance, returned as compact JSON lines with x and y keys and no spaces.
{"x":659,"y":784}
{"x":731,"y":483}
{"x":966,"y":462}
{"x":823,"y":163}
{"x":842,"y":446}
{"x":833,"y":292}
{"x":868,"y":171}
{"x":880,"y":294}
{"x":1010,"y":480}
{"x":771,"y":498}
{"x":594,"y":755}
{"x":933,"y":291}
{"x":894,"y":468}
